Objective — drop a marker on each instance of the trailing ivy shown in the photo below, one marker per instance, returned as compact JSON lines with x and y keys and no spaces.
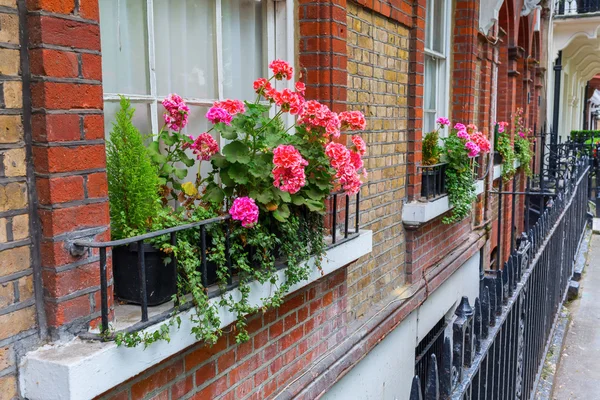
{"x":459,"y":178}
{"x":505,"y":148}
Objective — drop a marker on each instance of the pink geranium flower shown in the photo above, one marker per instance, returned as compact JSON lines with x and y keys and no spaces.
{"x":472,"y":148}
{"x":217,"y":114}
{"x":288,"y":100}
{"x":288,"y":172}
{"x":501,"y":126}
{"x":176,"y":115}
{"x":460,"y":127}
{"x":300,"y":88}
{"x":480,"y":140}
{"x":244,"y":209}
{"x":262,"y":86}
{"x":204,"y":146}
{"x":359,"y":145}
{"x":231,"y":106}
{"x":281,"y":69}
{"x":463,"y":134}
{"x":346,"y":164}
{"x":354,"y":120}
{"x":443,"y":121}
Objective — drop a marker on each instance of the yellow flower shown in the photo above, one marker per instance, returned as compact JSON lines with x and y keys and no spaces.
{"x":189,"y":189}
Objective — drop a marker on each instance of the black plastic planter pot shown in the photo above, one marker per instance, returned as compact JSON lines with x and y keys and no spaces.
{"x":497,"y":158}
{"x":161,"y":278}
{"x":433,"y":183}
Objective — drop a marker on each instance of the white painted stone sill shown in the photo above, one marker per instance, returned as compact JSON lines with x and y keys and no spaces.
{"x":81,"y":370}
{"x":419,"y":212}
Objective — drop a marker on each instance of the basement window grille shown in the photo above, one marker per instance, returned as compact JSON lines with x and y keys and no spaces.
{"x":432,"y":343}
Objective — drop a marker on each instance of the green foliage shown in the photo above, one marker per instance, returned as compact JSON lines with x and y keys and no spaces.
{"x":585,"y":136}
{"x":132,"y":179}
{"x":431,"y":150}
{"x":244,"y":168}
{"x":505,"y":148}
{"x":459,"y":178}
{"x":168,"y":153}
{"x":523,"y":153}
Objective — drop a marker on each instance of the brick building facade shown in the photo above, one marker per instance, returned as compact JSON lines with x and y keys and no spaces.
{"x":367,"y":55}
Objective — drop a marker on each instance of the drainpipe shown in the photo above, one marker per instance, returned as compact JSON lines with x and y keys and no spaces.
{"x":585,"y":94}
{"x":554,"y":133}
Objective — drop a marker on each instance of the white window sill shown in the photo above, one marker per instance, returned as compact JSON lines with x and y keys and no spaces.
{"x":497,"y":171}
{"x":417,"y":212}
{"x":81,"y":370}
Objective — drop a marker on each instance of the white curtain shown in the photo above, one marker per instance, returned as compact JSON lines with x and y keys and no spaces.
{"x":124,"y":46}
{"x":243,"y":60}
{"x":184,"y":32}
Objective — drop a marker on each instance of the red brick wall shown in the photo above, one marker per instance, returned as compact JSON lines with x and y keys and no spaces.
{"x":68,"y":152}
{"x":282,"y":344}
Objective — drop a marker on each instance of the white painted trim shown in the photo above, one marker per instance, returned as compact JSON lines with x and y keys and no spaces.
{"x":80,"y":370}
{"x":416,"y":212}
{"x":497,"y":171}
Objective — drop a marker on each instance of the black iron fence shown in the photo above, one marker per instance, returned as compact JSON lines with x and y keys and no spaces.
{"x":498,"y":344}
{"x":337,"y":219}
{"x":575,"y":7}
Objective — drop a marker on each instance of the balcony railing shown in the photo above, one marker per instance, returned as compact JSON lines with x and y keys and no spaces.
{"x":576,"y":7}
{"x":343,"y":225}
{"x":433,"y":180}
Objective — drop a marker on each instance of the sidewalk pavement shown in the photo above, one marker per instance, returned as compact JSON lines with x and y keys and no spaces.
{"x":578,"y":375}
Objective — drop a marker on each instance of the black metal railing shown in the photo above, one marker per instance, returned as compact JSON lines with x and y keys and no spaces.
{"x":432,"y":343}
{"x":499,"y":343}
{"x":342,"y":223}
{"x":576,"y":7}
{"x":433,"y":180}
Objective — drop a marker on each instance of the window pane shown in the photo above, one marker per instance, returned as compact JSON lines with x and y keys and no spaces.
{"x":439,"y":31}
{"x":428,"y":23}
{"x":124,"y":46}
{"x":141,"y":117}
{"x":243,"y":59}
{"x":429,"y":121}
{"x":184,"y":33}
{"x":430,"y":83}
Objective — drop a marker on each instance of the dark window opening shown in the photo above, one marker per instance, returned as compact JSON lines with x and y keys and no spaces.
{"x":432,"y":343}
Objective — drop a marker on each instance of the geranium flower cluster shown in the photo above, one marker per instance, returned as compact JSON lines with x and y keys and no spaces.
{"x":347,"y":164}
{"x":475,"y":140}
{"x":288,"y":173}
{"x":231,"y":106}
{"x":245,"y":210}
{"x":502,"y":125}
{"x":218,"y":114}
{"x":176,"y":115}
{"x":203,"y":147}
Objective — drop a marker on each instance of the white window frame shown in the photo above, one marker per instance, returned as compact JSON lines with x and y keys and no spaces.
{"x":442,"y":61}
{"x":279,"y":16}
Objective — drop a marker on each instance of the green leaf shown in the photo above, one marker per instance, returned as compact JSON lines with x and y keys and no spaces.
{"x":218,"y":161}
{"x":214,"y":194}
{"x":282,"y":213}
{"x":225,"y":178}
{"x":239,"y":173}
{"x":263,"y":197}
{"x":298,"y":200}
{"x":284,"y":196}
{"x":314,"y":205}
{"x":169,"y":140}
{"x":314,"y":194}
{"x":181,"y":173}
{"x":228,"y":132}
{"x":237,"y":151}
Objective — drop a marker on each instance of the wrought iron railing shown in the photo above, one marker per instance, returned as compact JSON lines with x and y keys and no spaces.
{"x":498,"y":344}
{"x":433,"y":180}
{"x":338,"y":221}
{"x":576,"y":7}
